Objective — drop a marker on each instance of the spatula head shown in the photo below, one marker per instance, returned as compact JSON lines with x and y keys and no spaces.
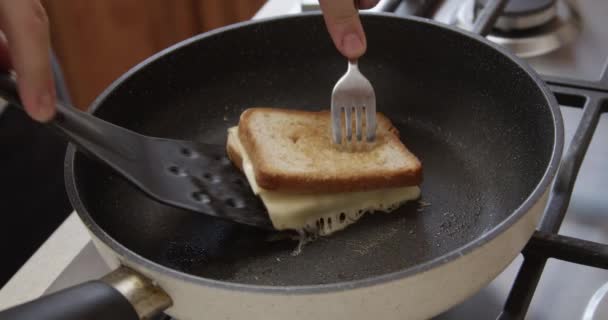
{"x":216,"y":187}
{"x":193,"y":176}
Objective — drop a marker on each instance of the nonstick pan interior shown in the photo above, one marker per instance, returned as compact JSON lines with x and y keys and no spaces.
{"x":479,"y":123}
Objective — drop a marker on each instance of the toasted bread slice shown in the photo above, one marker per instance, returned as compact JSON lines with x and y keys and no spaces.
{"x":292,"y":151}
{"x":317,"y":214}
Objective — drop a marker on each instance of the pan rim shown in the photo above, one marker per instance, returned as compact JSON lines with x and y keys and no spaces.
{"x":521,"y":211}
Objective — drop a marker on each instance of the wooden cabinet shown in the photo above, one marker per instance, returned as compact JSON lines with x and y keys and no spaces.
{"x":96,"y":41}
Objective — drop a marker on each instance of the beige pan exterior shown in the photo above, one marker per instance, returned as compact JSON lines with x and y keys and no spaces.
{"x":417,"y":296}
{"x":417,"y":293}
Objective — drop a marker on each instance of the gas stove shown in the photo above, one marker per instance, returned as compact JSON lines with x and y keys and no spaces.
{"x":561,"y":274}
{"x":566,"y":42}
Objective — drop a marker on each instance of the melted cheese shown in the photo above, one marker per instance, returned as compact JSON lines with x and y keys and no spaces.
{"x":338,"y":210}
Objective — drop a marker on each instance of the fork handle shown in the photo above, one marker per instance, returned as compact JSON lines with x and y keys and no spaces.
{"x":88,"y":132}
{"x":353,"y":63}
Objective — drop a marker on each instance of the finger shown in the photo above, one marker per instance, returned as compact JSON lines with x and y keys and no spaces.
{"x":367,"y":4}
{"x":25,"y":24}
{"x":344,"y":26}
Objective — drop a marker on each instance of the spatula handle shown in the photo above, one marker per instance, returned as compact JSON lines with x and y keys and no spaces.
{"x":88,"y":132}
{"x":8,"y":92}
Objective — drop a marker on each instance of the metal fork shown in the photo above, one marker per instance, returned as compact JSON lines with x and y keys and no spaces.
{"x":353,"y":91}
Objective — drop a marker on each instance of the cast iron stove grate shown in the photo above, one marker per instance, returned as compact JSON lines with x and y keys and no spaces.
{"x":547,"y":242}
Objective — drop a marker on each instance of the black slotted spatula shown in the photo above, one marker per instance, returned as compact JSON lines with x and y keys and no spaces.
{"x":186,"y":174}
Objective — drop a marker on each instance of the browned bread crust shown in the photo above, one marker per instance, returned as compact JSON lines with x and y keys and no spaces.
{"x":291,"y":151}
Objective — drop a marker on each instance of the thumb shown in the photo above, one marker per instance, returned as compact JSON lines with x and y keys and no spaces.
{"x":344,"y":26}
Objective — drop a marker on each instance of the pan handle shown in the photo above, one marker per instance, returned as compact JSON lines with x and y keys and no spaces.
{"x":122,"y":295}
{"x":488,"y":16}
{"x":94,"y":300}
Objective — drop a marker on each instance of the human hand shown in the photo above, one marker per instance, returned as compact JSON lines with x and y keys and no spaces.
{"x":344,"y":26}
{"x":25,"y":47}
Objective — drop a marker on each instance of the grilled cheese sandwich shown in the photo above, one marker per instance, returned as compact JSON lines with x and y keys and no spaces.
{"x":309,"y":185}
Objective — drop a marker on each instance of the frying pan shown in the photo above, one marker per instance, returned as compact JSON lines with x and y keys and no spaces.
{"x":487,"y":130}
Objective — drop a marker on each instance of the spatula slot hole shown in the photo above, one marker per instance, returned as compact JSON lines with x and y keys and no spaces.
{"x":200,"y":197}
{"x":187,"y":152}
{"x":175,"y":170}
{"x":212,"y":178}
{"x":233,"y":203}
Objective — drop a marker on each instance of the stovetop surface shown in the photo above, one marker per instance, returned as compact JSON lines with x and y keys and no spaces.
{"x":585,"y":58}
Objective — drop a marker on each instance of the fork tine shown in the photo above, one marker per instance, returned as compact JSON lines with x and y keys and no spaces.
{"x":370,"y":120}
{"x":358,"y":123}
{"x":348,"y":115}
{"x":336,"y":126}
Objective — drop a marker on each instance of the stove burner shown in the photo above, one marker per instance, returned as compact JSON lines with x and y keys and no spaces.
{"x":524,"y":14}
{"x":523,"y":7}
{"x":527,"y":28}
